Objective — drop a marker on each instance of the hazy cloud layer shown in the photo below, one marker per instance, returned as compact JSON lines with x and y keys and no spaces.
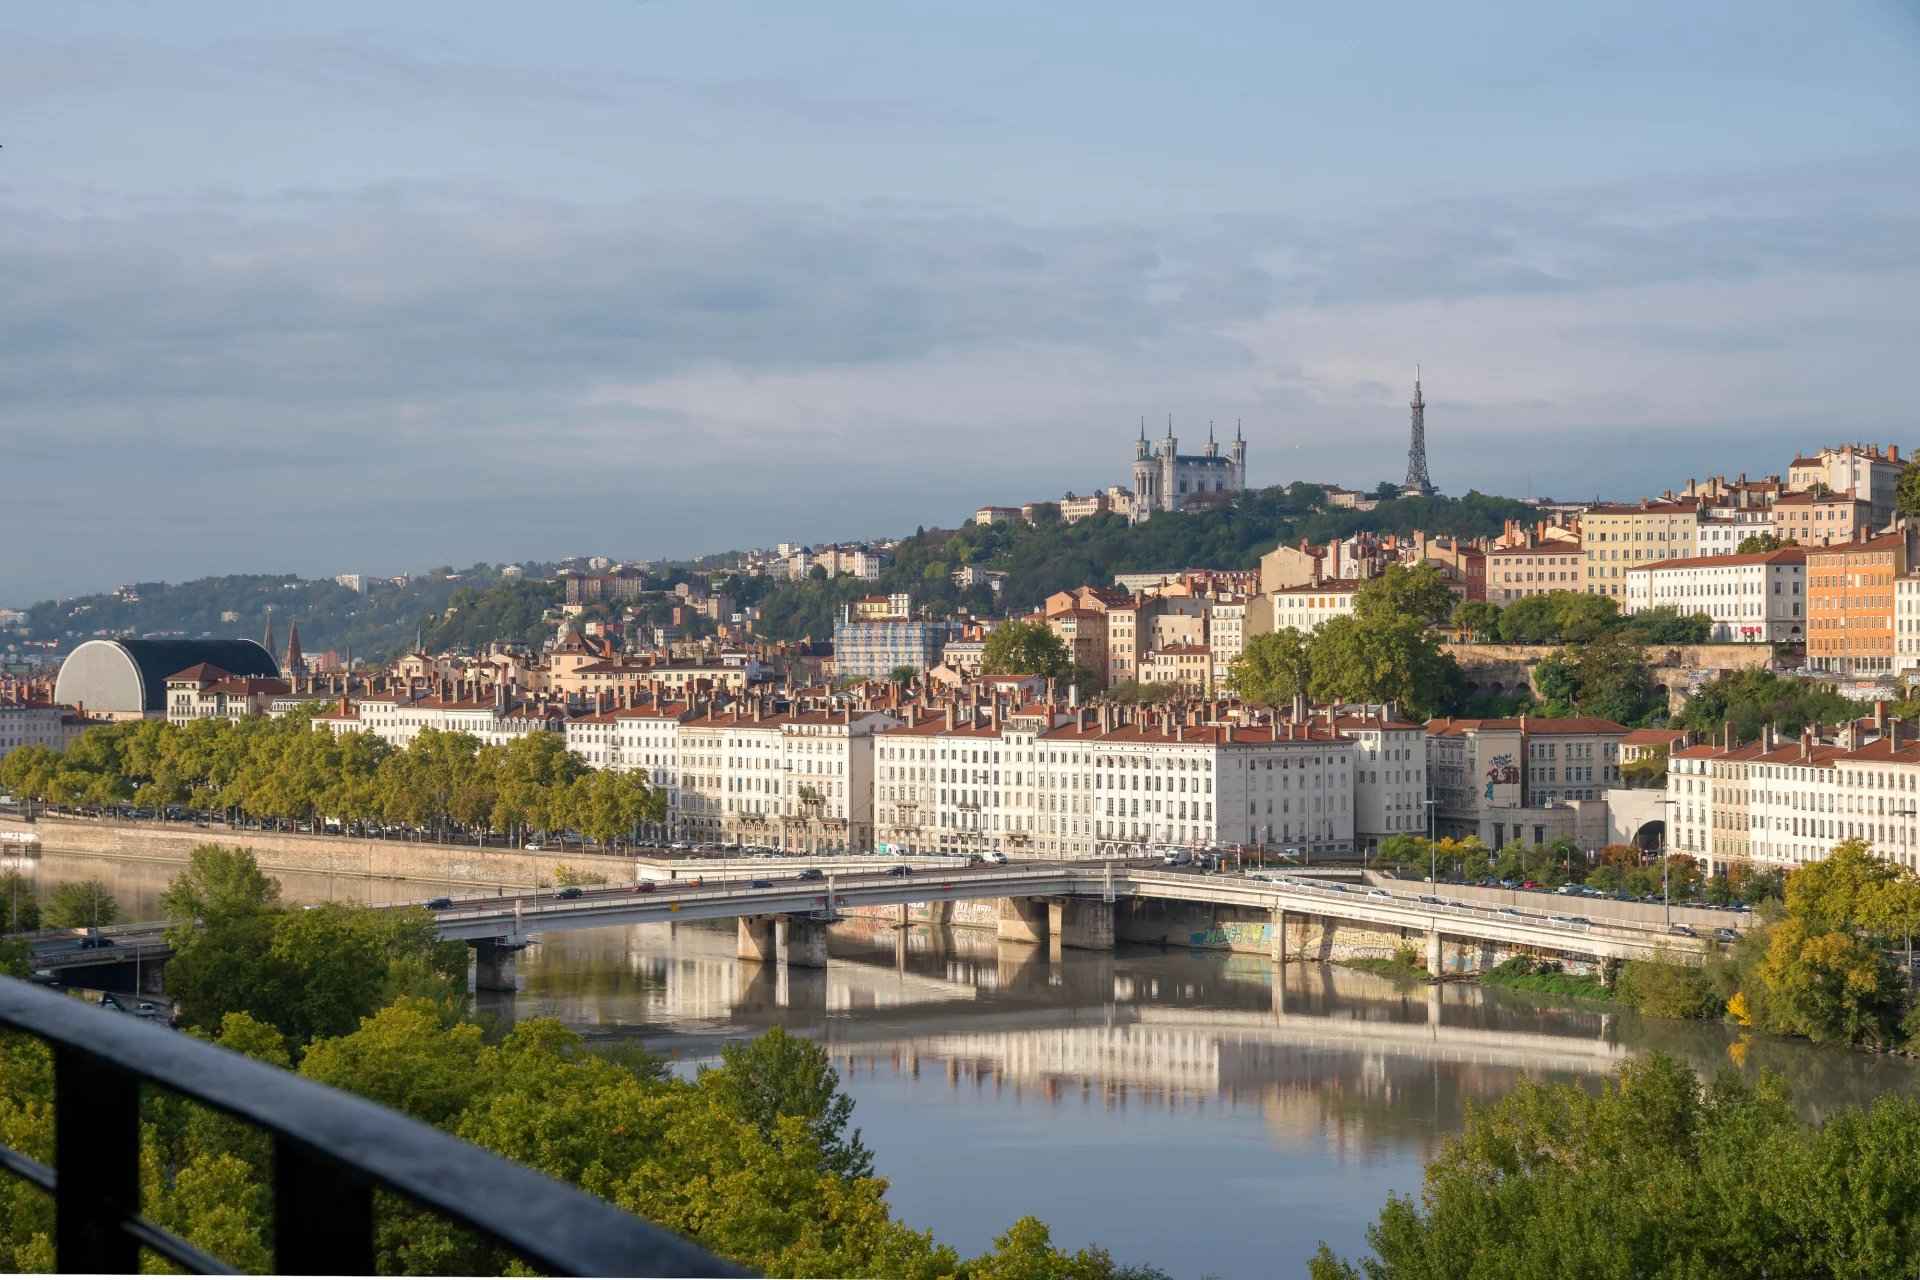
{"x":381,"y":374}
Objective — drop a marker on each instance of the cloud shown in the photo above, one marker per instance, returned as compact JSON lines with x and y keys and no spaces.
{"x":583,"y":374}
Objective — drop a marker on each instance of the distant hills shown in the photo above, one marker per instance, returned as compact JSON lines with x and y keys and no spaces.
{"x":1036,"y":559}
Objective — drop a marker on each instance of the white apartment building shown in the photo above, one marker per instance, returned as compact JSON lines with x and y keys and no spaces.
{"x":1906,"y":623}
{"x":399,"y":718}
{"x":30,"y":724}
{"x":798,"y":780}
{"x":206,"y":692}
{"x":1390,"y":774}
{"x":1721,"y":532}
{"x":1057,"y":783}
{"x":1797,"y":801}
{"x":1306,"y":608}
{"x":1226,"y":636}
{"x":1759,"y":597}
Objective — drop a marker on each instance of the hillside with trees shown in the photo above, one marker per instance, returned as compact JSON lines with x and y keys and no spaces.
{"x":1048,"y":556}
{"x":380,"y":624}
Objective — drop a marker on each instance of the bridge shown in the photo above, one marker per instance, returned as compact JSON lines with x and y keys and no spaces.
{"x":1069,"y":905}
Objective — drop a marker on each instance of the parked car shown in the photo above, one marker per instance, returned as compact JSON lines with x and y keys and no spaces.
{"x":1725,"y":935}
{"x":1682,"y":931}
{"x":811,"y":873}
{"x":1529,"y":884}
{"x":535,"y":846}
{"x":438,"y":904}
{"x":1568,"y":888}
{"x":571,"y":891}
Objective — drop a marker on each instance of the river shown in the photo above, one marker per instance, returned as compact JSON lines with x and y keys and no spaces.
{"x":1189,"y":1110}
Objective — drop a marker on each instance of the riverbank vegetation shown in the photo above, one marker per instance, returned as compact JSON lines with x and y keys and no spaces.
{"x":289,"y":770}
{"x":1617,"y":869}
{"x":1659,"y":1175}
{"x":755,"y":1159}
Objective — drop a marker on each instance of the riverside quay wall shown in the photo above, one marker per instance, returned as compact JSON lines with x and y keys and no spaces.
{"x":163,"y":842}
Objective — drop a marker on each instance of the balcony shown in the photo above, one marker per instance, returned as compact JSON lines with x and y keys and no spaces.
{"x":331,"y":1151}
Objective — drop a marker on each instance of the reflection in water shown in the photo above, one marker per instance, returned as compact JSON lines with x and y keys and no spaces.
{"x":1145,"y":1100}
{"x":1183,"y":1109}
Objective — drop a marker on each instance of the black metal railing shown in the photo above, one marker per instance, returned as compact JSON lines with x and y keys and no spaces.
{"x":331,"y":1151}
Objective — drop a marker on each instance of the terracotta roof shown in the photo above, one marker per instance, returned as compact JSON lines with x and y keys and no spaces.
{"x":1652,"y":737}
{"x":1885,"y":542}
{"x":1683,"y":506}
{"x":1544,"y":549}
{"x":1785,"y":555}
{"x":199,"y":673}
{"x":1334,"y":585}
{"x":1532,"y":724}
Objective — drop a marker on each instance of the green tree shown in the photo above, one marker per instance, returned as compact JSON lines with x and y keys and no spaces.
{"x":1760,"y":543}
{"x":778,"y":1075}
{"x":1906,"y":492}
{"x":1649,"y":770}
{"x":1476,"y":619}
{"x":81,"y":904}
{"x":1376,"y":659}
{"x":219,"y":881}
{"x":904,"y":674}
{"x":1401,"y":592}
{"x":1025,"y":648}
{"x":18,"y":907}
{"x":1272,"y":668}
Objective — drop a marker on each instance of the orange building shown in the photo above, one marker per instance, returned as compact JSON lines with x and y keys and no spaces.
{"x":1850,"y":591}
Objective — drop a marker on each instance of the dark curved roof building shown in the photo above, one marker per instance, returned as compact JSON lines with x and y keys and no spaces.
{"x":127,"y":679}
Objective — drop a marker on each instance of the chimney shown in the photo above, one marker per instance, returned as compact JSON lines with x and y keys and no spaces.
{"x":1880,"y":715}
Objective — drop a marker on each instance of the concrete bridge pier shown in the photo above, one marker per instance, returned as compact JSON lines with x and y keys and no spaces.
{"x":755,"y":939}
{"x":801,"y":943}
{"x":493,"y":965}
{"x":1278,"y":938}
{"x":1433,"y":952}
{"x":1023,"y":920}
{"x":795,"y":987}
{"x":1085,"y":924}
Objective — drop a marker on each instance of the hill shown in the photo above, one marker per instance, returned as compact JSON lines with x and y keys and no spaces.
{"x":1040,"y":559}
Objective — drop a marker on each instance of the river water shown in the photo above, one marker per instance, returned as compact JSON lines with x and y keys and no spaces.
{"x":1191,"y":1110}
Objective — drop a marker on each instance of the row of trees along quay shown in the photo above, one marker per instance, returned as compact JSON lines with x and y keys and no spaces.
{"x":755,"y":1159}
{"x":288,"y":770}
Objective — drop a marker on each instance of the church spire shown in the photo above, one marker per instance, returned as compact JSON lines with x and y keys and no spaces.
{"x":266,"y":641}
{"x":296,"y":664}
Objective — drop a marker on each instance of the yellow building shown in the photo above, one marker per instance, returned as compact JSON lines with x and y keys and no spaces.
{"x":1614,"y":538}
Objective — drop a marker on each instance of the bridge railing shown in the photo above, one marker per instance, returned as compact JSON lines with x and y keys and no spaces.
{"x":331,"y":1151}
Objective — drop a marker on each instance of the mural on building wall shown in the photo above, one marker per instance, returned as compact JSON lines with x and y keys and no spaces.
{"x":1501,"y":772}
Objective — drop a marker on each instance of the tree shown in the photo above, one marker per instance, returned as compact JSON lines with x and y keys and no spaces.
{"x":1906,"y":492}
{"x":81,"y":904}
{"x":1649,"y":770}
{"x":904,"y":674}
{"x":1025,"y":648}
{"x":219,"y":881}
{"x":781,"y":1075}
{"x":1476,"y":619}
{"x":1381,"y":660}
{"x":1272,"y":668}
{"x":1402,"y":592}
{"x":18,"y":909}
{"x":1761,"y":543}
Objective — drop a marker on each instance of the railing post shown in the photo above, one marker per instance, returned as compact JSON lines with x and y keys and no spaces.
{"x":322,"y":1216}
{"x":96,"y":1157}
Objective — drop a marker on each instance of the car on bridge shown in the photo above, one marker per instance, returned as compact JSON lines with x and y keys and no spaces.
{"x":1725,"y":935}
{"x":760,"y":884}
{"x":997,"y":858}
{"x":571,"y":891}
{"x":811,"y":873}
{"x":902,"y":870}
{"x":1378,"y":893}
{"x":437,"y":904}
{"x":644,"y":886}
{"x":1682,"y":931}
{"x":95,"y":942}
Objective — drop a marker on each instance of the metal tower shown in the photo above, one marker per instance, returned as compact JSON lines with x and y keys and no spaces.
{"x":1417,"y":485}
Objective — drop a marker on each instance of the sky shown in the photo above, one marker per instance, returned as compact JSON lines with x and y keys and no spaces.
{"x":368,"y":287}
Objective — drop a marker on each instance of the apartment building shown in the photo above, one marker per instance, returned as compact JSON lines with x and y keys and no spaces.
{"x":1390,"y":774}
{"x":1189,"y":667}
{"x":1306,"y":608}
{"x":1615,"y":538}
{"x":1529,"y":779}
{"x":1906,"y":623}
{"x":1862,"y":471}
{"x":38,"y":724}
{"x":1759,"y":597}
{"x":399,"y":717}
{"x":1049,"y":782}
{"x":872,"y":650}
{"x":1851,"y":589}
{"x":1514,"y":573}
{"x":1787,"y":803}
{"x":1722,"y":530}
{"x":1226,"y":636}
{"x":1084,"y":633}
{"x":1821,"y":519}
{"x":206,"y":692}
